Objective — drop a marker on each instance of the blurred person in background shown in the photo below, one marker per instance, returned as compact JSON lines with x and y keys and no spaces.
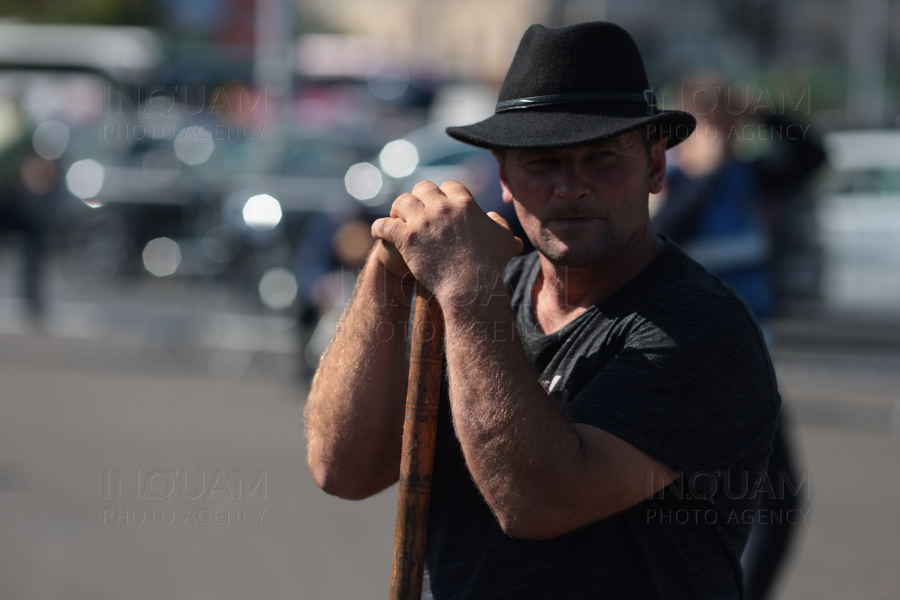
{"x":720,"y":202}
{"x":328,"y":278}
{"x":27,"y":183}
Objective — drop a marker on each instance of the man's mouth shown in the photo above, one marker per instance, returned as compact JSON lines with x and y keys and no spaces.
{"x":573,"y":220}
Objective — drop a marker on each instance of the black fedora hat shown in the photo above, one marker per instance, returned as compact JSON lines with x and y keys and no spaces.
{"x":572,"y":86}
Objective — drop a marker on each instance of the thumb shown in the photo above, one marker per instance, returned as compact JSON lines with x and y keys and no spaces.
{"x":520,"y":245}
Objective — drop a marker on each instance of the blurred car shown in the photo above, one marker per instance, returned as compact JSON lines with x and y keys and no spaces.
{"x":857,"y":216}
{"x":117,"y":170}
{"x":429,"y":154}
{"x":303,"y":169}
{"x":125,"y":191}
{"x":262,"y":197}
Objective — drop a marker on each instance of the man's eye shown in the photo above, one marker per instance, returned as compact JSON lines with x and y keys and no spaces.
{"x":540,"y":162}
{"x":602,"y":159}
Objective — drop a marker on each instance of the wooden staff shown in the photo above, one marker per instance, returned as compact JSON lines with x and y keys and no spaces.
{"x":422,"y":397}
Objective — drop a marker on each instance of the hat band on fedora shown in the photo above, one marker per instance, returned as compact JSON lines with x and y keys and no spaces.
{"x":646,"y":97}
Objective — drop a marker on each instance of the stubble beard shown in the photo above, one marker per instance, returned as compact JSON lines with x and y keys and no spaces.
{"x":605,"y":247}
{"x":573,"y":256}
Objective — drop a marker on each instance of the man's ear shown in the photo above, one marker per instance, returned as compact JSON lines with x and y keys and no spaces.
{"x":658,"y":164}
{"x":504,"y":182}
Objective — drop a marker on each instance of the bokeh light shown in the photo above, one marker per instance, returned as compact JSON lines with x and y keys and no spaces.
{"x":50,"y":139}
{"x":363,"y":181}
{"x":161,"y":167}
{"x":85,"y":178}
{"x":162,"y":256}
{"x":262,"y":212}
{"x":278,"y":288}
{"x":399,"y":158}
{"x":388,"y":78}
{"x":193,"y":145}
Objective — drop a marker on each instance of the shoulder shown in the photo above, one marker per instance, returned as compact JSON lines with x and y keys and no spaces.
{"x":688,"y":379}
{"x":679,"y":304}
{"x":675,"y":282}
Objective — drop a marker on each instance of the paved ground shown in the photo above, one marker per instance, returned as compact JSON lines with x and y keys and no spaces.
{"x":850,"y":545}
{"x":846,"y":411}
{"x":80,"y":418}
{"x":123,"y":451}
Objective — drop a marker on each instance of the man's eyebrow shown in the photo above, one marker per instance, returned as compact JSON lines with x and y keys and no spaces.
{"x":532,"y":151}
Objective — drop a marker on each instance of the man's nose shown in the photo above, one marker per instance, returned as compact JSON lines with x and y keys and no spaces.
{"x":571,"y":185}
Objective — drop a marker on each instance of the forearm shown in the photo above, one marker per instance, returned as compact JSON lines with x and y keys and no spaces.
{"x":522,"y":454}
{"x":354,"y":413}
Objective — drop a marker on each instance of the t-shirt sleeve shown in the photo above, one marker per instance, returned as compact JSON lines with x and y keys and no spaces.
{"x":691,"y":386}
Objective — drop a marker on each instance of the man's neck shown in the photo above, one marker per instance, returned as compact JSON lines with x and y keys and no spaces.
{"x":562,"y":293}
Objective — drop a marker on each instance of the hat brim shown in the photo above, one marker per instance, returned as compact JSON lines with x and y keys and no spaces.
{"x":571,"y":125}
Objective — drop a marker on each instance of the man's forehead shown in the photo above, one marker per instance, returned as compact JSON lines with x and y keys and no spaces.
{"x":620,"y":141}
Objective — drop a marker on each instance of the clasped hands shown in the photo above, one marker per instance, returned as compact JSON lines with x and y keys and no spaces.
{"x":441,"y":236}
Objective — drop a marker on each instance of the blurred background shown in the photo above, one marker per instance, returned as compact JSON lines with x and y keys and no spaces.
{"x":186,"y":189}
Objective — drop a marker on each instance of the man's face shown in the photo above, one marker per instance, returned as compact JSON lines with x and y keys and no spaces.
{"x":585,"y":205}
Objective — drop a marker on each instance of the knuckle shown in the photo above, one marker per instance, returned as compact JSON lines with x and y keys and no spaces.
{"x":403,"y":204}
{"x":424,"y":186}
{"x":457,"y":189}
{"x":443,"y":209}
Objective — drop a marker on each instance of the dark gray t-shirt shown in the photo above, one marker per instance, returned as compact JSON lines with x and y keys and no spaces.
{"x":674,"y":364}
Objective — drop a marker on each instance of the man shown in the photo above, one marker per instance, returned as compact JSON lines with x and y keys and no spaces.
{"x":607,"y":404}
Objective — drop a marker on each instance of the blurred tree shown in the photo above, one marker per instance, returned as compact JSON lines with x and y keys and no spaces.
{"x":102,"y":12}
